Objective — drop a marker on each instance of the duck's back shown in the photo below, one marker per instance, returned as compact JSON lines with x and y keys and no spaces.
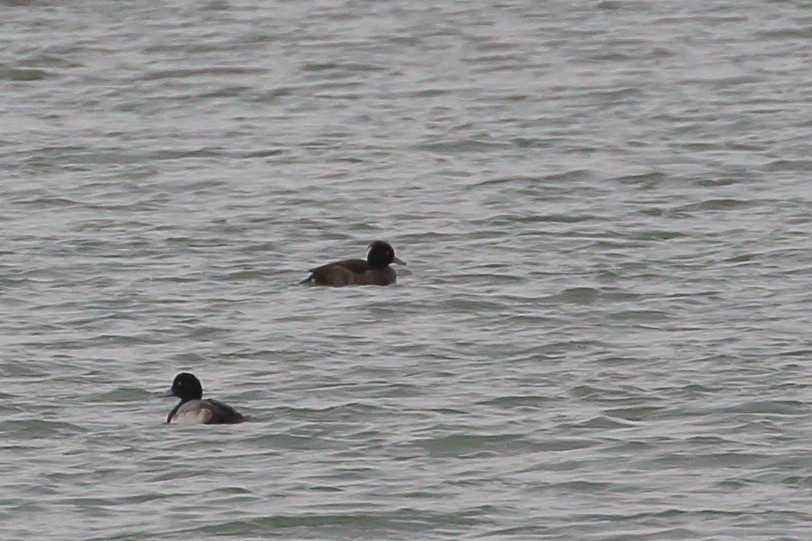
{"x":207,"y":412}
{"x":351,"y":272}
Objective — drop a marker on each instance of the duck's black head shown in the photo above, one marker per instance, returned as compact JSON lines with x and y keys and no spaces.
{"x":187,"y":387}
{"x":381,"y":255}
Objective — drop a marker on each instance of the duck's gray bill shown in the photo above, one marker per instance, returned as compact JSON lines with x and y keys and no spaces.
{"x":399,"y":261}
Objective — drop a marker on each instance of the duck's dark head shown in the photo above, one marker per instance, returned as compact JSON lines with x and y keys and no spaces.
{"x":381,"y":255}
{"x":187,"y":387}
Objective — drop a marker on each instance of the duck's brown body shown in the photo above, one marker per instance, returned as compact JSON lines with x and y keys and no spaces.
{"x":207,"y":412}
{"x":352,"y":272}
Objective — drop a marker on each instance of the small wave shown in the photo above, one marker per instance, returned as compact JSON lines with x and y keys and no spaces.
{"x":22,"y":74}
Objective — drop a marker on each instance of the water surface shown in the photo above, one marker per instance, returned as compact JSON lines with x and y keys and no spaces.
{"x":602,"y":333}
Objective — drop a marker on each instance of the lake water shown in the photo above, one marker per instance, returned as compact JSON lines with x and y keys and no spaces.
{"x":603,"y":332}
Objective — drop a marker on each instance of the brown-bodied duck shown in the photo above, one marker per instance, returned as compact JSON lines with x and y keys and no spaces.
{"x":372,"y":271}
{"x":193,"y":409}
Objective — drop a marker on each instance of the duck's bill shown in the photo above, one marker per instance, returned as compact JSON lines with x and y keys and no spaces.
{"x":399,"y":261}
{"x":167,"y":394}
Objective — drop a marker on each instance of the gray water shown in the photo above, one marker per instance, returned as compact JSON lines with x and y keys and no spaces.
{"x":603,"y":332}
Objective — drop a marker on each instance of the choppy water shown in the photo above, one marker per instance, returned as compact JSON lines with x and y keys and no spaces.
{"x":603,"y":332}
